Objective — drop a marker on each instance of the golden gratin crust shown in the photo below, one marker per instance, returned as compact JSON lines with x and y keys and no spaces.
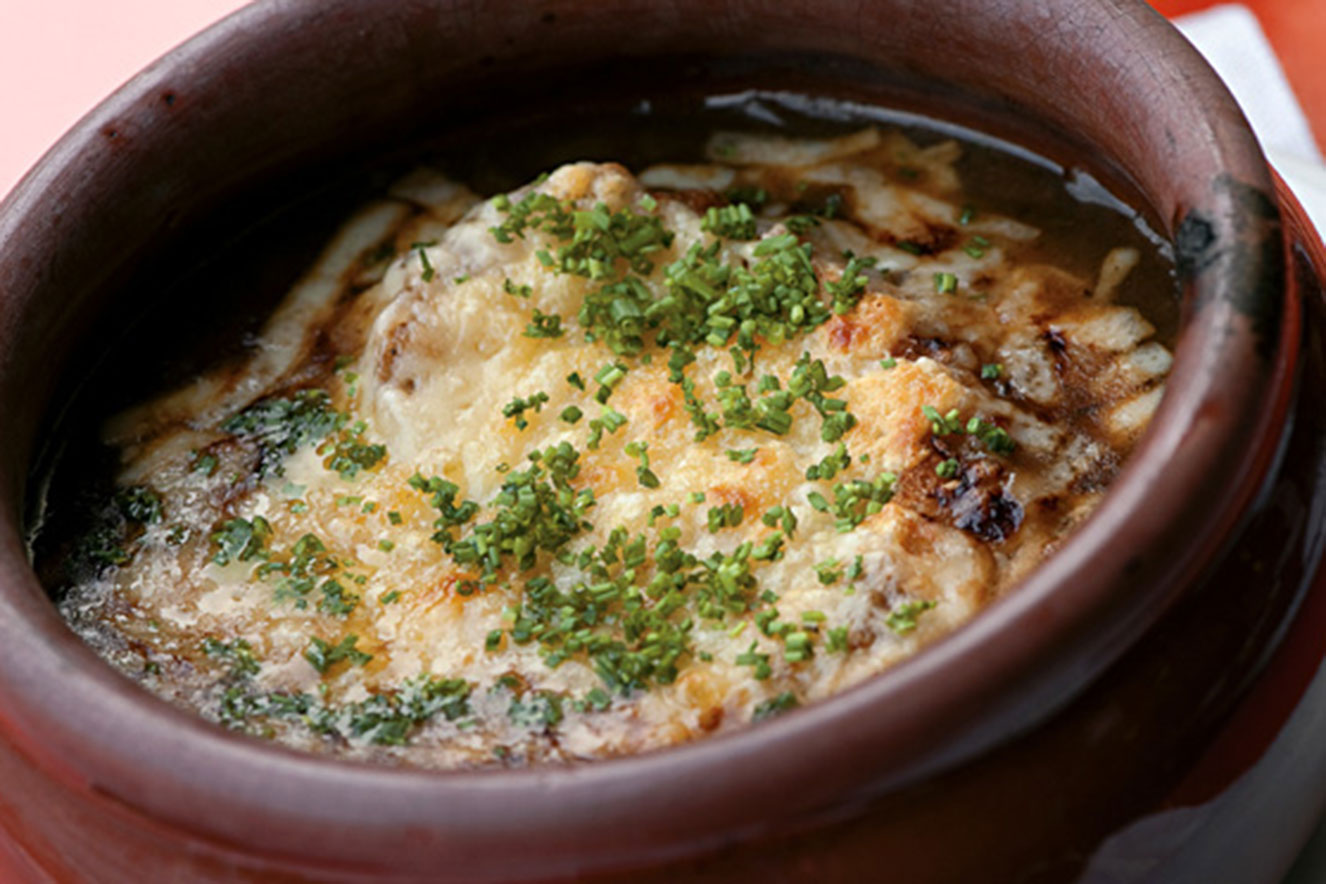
{"x":796,"y":414}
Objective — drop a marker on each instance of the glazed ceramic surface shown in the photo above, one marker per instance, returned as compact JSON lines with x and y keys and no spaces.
{"x":1131,"y":675}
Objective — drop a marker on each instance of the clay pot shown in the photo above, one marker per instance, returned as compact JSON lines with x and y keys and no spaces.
{"x":1145,"y":707}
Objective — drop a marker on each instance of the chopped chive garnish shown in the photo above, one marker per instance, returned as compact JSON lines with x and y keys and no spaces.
{"x":419,"y":248}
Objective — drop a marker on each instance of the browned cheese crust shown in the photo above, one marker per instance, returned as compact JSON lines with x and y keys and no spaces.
{"x":982,"y":403}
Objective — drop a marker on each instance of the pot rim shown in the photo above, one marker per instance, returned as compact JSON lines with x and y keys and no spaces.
{"x":1020,"y":659}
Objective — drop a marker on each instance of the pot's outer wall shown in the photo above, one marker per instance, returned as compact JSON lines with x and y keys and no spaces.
{"x":288,"y":86}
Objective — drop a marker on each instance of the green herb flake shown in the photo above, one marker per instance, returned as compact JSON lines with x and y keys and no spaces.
{"x":238,"y":653}
{"x":643,"y":473}
{"x":205,"y":463}
{"x":608,"y":377}
{"x":849,"y":287}
{"x":517,"y":407}
{"x":902,"y":619}
{"x":336,"y":600}
{"x":836,"y":641}
{"x":829,"y":571}
{"x":323,"y":656}
{"x":775,"y":706}
{"x":348,"y":454}
{"x":420,"y":248}
{"x":942,"y":424}
{"x":139,"y":504}
{"x":735,"y":221}
{"x":544,"y":325}
{"x":831,"y":465}
{"x":241,"y":540}
{"x":796,"y":645}
{"x":728,"y":515}
{"x":540,"y":711}
{"x":742,"y":455}
{"x":760,"y":662}
{"x":609,"y":419}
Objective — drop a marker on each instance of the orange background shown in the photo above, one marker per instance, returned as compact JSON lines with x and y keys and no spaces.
{"x":1297,"y":30}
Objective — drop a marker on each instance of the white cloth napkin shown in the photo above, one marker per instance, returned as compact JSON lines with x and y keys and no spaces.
{"x":1233,"y":42}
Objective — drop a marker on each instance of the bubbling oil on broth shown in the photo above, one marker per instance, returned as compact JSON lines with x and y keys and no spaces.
{"x":741,"y":405}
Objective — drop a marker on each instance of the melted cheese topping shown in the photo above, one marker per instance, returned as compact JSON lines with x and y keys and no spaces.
{"x":431,"y":348}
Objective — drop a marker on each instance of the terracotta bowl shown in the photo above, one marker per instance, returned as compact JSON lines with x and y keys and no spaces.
{"x":1145,"y":707}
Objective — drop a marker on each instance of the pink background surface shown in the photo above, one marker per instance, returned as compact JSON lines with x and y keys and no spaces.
{"x":59,"y":58}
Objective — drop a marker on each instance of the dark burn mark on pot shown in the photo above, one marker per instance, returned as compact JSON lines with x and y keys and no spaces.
{"x":1193,"y":244}
{"x":549,"y":18}
{"x":1246,"y":248}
